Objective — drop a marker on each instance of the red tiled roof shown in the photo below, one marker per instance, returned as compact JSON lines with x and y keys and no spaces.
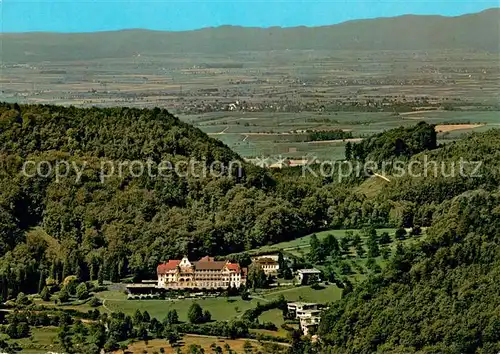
{"x":170,"y":265}
{"x":233,"y":266}
{"x":205,"y":263}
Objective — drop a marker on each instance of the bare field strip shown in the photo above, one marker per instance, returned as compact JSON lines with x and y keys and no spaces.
{"x":442,"y":128}
{"x":352,"y":140}
{"x":421,"y":111}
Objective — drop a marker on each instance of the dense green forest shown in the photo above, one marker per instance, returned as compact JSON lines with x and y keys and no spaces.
{"x":395,"y":143}
{"x":440,"y":296}
{"x":94,"y":228}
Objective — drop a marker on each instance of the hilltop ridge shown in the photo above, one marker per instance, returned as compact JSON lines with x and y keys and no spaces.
{"x":407,"y":32}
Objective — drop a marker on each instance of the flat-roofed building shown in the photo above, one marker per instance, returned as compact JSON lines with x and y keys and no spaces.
{"x":308,"y":276}
{"x":298,"y":307}
{"x":309,"y":315}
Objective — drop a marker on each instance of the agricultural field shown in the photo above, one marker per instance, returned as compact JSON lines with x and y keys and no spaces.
{"x":264,"y":103}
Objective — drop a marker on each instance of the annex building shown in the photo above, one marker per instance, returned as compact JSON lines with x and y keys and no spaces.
{"x":205,"y":273}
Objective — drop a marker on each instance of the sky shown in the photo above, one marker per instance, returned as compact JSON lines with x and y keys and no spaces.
{"x":179,"y":15}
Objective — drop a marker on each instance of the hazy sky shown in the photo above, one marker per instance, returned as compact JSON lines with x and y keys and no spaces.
{"x":99,"y":15}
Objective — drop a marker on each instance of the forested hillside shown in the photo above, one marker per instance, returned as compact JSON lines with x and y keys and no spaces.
{"x":123,"y":225}
{"x":440,"y":296}
{"x":395,"y":143}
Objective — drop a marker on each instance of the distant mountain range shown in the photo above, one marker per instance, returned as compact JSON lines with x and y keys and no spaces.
{"x":479,"y":31}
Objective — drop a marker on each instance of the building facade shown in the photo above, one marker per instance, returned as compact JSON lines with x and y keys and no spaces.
{"x":268,"y":265}
{"x":309,"y":315}
{"x":308,"y":276}
{"x":203,"y":274}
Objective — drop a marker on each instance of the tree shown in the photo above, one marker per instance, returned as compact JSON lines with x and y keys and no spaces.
{"x":348,"y":150}
{"x":196,"y":349}
{"x":370,"y":262}
{"x":287,"y":273}
{"x":142,"y":332}
{"x":330,"y":274}
{"x":64,"y":337}
{"x":345,"y":244}
{"x":146,"y":317}
{"x":400,"y":233}
{"x":207,"y":316}
{"x":348,"y":288}
{"x":45,"y":294}
{"x":384,"y":238}
{"x":22,"y":299}
{"x":385,"y":252}
{"x":247,"y":347}
{"x":256,"y":277}
{"x":345,"y":268}
{"x":94,"y":302}
{"x":138,"y":319}
{"x":82,"y":291}
{"x":316,"y":252}
{"x":195,"y":314}
{"x":172,"y":317}
{"x":356,"y":241}
{"x":172,"y":337}
{"x":416,"y":230}
{"x":370,"y":232}
{"x":100,"y":276}
{"x":282,"y":264}
{"x":331,"y":246}
{"x":111,"y":345}
{"x":372,"y":244}
{"x":63,"y":295}
{"x":360,"y":250}
{"x":215,"y":348}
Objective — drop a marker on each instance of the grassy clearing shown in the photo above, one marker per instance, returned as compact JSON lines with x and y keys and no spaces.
{"x":326,"y":294}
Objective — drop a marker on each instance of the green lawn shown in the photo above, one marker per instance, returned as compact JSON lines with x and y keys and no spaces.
{"x":329,"y":293}
{"x":220,"y":308}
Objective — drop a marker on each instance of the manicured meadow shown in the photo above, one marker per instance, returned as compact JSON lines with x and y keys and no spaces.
{"x":221,"y":308}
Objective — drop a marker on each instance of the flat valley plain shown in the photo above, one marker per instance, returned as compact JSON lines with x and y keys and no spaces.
{"x":265,"y":103}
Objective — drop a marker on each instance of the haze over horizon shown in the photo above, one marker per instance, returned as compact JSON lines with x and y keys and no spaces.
{"x":69,"y":16}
